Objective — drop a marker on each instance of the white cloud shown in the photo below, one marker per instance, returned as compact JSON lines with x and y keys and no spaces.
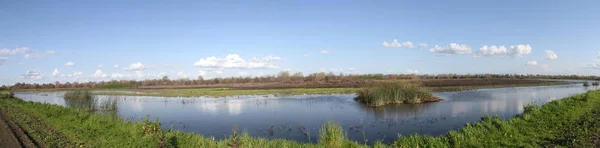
{"x":77,"y":74}
{"x":135,"y":66}
{"x":55,"y":73}
{"x":34,"y":55}
{"x":182,"y":75}
{"x":14,"y":51}
{"x":423,"y":45}
{"x":551,"y":55}
{"x":492,"y":50}
{"x":511,"y":51}
{"x":235,"y":61}
{"x":139,"y":74}
{"x":100,"y":66}
{"x":324,"y":52}
{"x":412,"y":71}
{"x":453,"y":49}
{"x":201,"y":73}
{"x":394,"y":43}
{"x":32,"y":75}
{"x":70,"y":64}
{"x":116,"y":75}
{"x":532,"y":63}
{"x":408,"y":44}
{"x":267,"y":58}
{"x":99,"y":74}
{"x":519,"y":50}
{"x":116,"y":66}
{"x":397,"y":44}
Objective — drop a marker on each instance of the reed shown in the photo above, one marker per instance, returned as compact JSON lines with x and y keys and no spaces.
{"x":332,"y":135}
{"x":403,"y":92}
{"x":81,"y":99}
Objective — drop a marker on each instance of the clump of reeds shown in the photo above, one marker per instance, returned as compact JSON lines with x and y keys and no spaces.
{"x":595,"y":83}
{"x":79,"y":95}
{"x":332,"y":135}
{"x":586,"y":84}
{"x":81,"y":99}
{"x":404,"y":92}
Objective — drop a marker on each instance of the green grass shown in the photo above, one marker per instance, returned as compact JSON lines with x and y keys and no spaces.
{"x":384,"y":93}
{"x":571,"y":122}
{"x":114,"y":86}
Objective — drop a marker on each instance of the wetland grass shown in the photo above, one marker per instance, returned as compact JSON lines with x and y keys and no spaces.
{"x":568,"y":122}
{"x":406,"y":92}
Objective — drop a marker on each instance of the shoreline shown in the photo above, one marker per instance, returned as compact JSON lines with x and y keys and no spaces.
{"x":548,"y":125}
{"x":225,"y":92}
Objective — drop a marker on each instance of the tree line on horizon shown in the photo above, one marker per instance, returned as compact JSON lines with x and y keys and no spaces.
{"x":285,"y":77}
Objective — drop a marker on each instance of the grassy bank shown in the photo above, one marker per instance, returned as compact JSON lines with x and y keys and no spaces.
{"x":572,"y":121}
{"x":394,"y":93}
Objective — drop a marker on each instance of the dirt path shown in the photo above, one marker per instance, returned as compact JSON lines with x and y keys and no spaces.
{"x":13,"y":136}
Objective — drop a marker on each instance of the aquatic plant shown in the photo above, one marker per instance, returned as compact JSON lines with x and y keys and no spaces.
{"x":81,"y":99}
{"x":586,"y":84}
{"x":332,"y":135}
{"x":595,"y":83}
{"x":78,"y":95}
{"x":409,"y":92}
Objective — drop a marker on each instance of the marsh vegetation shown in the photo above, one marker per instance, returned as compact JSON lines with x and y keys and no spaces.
{"x":549,"y":125}
{"x":406,"y":92}
{"x":85,"y":100}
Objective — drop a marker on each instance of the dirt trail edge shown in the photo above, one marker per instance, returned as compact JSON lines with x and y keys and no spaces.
{"x":12,"y":135}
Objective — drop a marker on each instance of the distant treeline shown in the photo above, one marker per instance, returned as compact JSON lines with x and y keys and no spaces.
{"x":317,"y":79}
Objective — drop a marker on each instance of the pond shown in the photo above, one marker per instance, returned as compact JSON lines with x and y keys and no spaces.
{"x":292,"y":117}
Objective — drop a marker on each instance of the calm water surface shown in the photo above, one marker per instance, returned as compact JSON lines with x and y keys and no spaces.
{"x":285,"y":116}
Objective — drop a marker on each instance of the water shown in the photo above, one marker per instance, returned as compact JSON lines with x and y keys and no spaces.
{"x":285,"y":116}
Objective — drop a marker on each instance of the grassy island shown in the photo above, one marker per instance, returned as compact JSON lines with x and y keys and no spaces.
{"x":408,"y":92}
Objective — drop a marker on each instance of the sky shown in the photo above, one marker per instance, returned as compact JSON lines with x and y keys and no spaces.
{"x":67,"y":41}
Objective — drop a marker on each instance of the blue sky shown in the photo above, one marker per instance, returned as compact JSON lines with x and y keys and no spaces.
{"x":149,"y":39}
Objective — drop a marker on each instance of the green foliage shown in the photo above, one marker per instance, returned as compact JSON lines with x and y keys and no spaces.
{"x":332,"y":135}
{"x":384,"y":93}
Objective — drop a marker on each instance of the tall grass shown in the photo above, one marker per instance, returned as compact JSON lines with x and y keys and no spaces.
{"x":81,"y":99}
{"x":379,"y":94}
{"x":79,"y":95}
{"x":332,"y":135}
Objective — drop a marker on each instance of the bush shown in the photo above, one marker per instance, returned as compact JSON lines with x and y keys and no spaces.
{"x":379,"y":94}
